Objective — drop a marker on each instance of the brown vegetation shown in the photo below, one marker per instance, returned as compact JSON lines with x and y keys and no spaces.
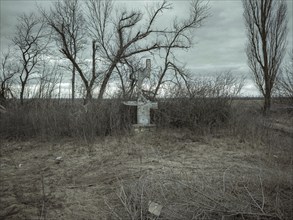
{"x":65,"y":161}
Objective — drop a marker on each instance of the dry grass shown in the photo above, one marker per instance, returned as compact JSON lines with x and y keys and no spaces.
{"x":240,"y":193}
{"x":51,"y":119}
{"x":191,"y":176}
{"x":240,"y":168}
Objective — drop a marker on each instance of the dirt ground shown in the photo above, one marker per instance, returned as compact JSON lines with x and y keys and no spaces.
{"x":67,"y":179}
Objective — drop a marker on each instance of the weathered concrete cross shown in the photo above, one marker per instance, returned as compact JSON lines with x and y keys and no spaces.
{"x":144,"y":106}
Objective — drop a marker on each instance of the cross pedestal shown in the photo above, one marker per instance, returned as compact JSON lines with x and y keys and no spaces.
{"x":143,"y":114}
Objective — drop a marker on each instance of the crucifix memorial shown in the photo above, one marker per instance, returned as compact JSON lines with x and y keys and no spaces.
{"x":144,"y":105}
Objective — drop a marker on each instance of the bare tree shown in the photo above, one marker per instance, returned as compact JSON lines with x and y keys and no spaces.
{"x":182,"y":37}
{"x":50,"y":76}
{"x":266,"y":23}
{"x":118,"y":39}
{"x":67,"y":21}
{"x":132,"y":34}
{"x":8,"y":71}
{"x":31,"y":41}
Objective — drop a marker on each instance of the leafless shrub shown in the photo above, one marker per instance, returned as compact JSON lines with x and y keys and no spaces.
{"x":203,"y":106}
{"x":60,"y":118}
{"x":246,"y":122}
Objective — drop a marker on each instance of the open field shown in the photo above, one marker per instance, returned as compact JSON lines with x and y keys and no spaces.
{"x":235,"y":172}
{"x":226,"y":177}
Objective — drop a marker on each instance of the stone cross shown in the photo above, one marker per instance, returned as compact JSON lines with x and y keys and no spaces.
{"x":143,"y":104}
{"x":142,"y":74}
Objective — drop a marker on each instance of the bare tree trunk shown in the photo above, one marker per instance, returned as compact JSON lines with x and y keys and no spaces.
{"x":106,"y":80}
{"x":22,"y":93}
{"x":23,"y":84}
{"x":73,"y":84}
{"x":160,"y":80}
{"x":89,"y":86}
{"x":267,"y":104}
{"x":88,"y":96}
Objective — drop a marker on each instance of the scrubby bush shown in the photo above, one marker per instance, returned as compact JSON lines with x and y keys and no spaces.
{"x":202,"y":106}
{"x":61,"y":118}
{"x":195,"y":113}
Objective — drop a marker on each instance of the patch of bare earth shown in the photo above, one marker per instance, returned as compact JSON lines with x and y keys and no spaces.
{"x":215,"y":177}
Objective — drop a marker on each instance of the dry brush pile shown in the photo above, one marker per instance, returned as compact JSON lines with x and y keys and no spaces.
{"x":236,"y":193}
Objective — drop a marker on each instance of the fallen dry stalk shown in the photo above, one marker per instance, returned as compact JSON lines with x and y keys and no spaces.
{"x":43,"y":214}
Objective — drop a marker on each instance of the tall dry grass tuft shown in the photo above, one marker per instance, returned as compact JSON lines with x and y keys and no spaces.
{"x":247,"y":123}
{"x":200,"y":115}
{"x":202,"y":106}
{"x":197,"y":114}
{"x":60,"y":118}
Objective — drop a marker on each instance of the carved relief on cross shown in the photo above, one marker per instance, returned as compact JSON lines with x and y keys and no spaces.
{"x":141,"y":76}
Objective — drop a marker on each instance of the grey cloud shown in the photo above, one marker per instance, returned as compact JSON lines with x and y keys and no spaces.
{"x":219,"y":43}
{"x":9,"y":11}
{"x":222,"y":39}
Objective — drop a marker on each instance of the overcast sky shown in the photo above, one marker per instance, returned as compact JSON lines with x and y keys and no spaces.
{"x":219,"y":43}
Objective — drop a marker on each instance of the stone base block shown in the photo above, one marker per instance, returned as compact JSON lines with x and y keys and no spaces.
{"x":138,"y":128}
